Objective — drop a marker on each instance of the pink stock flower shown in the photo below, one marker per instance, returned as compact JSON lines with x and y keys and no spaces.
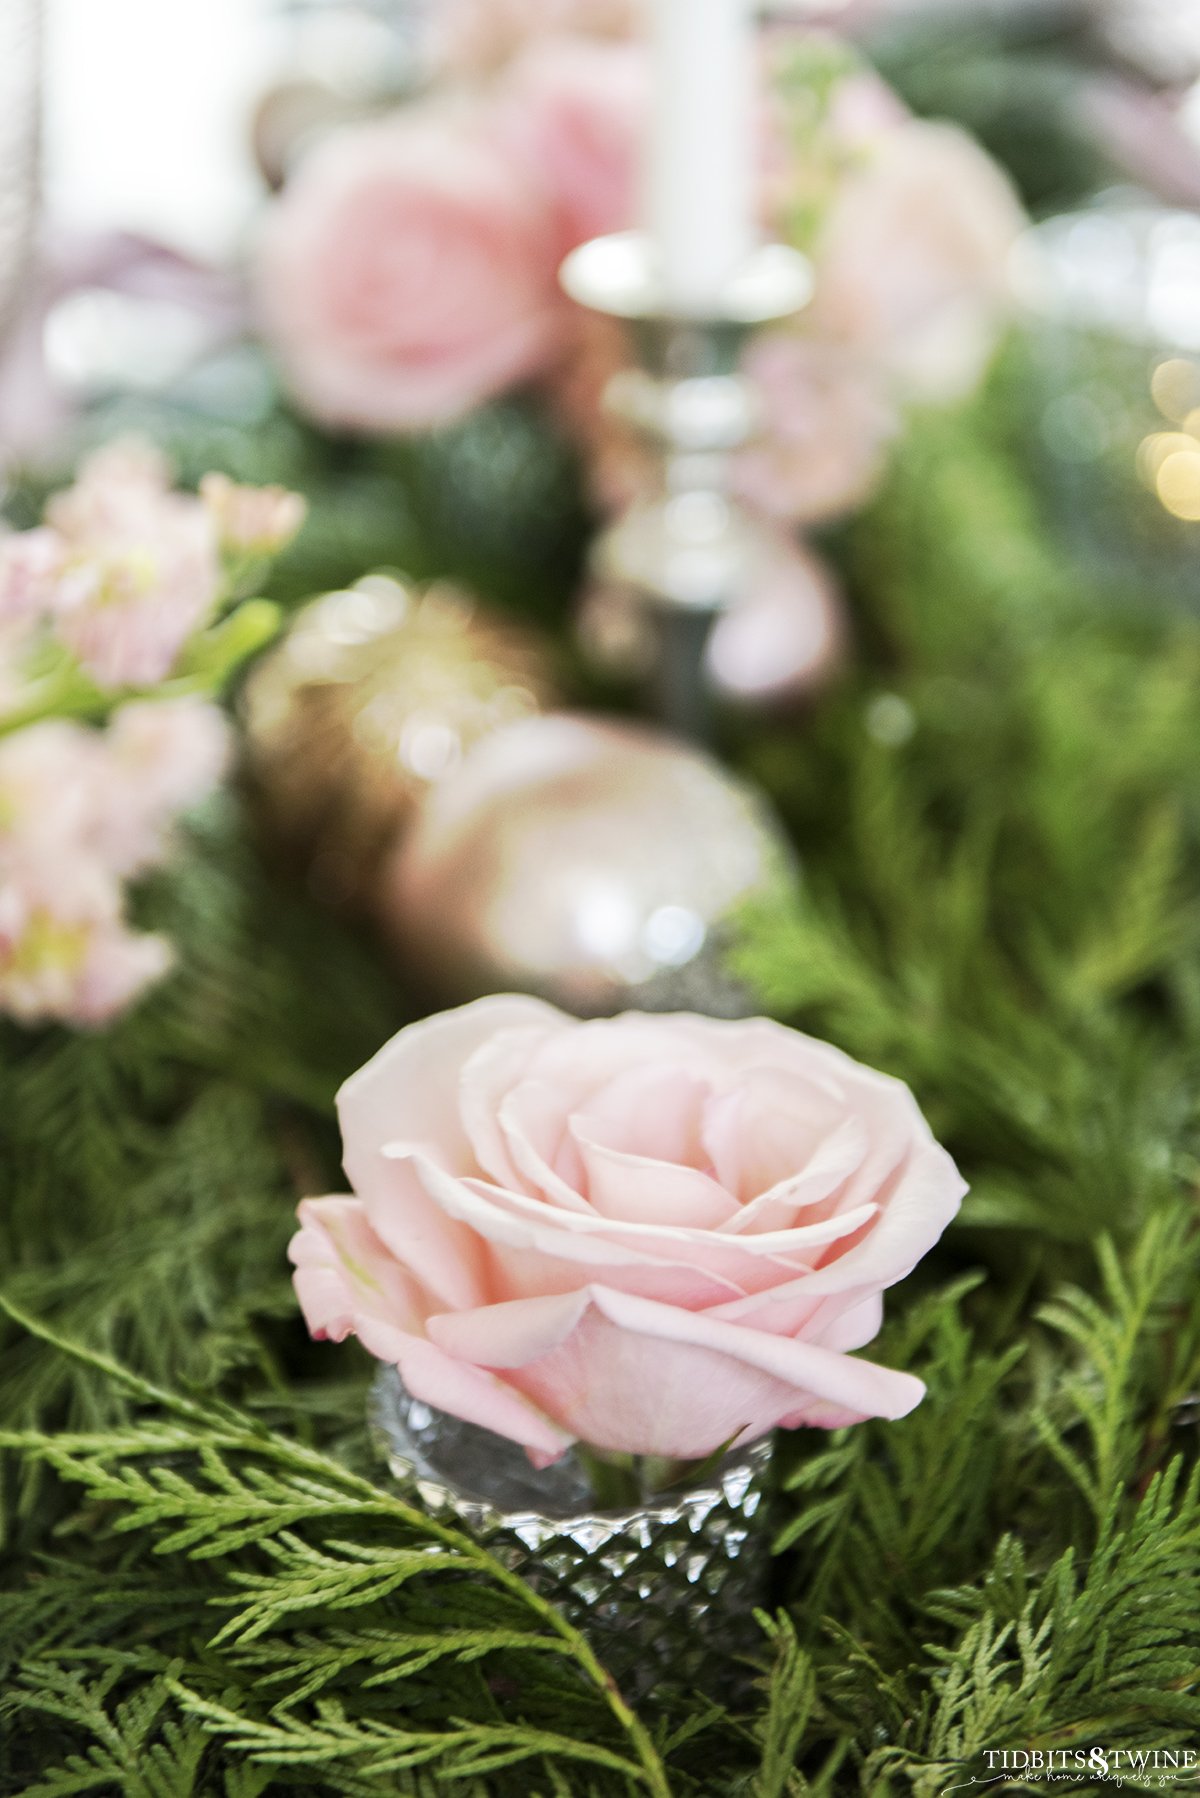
{"x":653,"y":1235}
{"x":31,"y":566}
{"x":65,"y":952}
{"x":71,"y":793}
{"x":408,"y":273}
{"x":255,"y":521}
{"x":162,"y":757}
{"x":142,"y":573}
{"x":826,"y":429}
{"x":49,"y":777}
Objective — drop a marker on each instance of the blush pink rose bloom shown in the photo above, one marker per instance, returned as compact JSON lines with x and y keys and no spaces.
{"x":654,"y":1235}
{"x":573,"y":112}
{"x":913,"y":262}
{"x":409,"y":272}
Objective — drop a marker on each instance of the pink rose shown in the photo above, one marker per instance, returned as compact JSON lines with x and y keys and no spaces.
{"x":912,"y":266}
{"x":409,"y":272}
{"x":651,"y":1234}
{"x":574,"y":111}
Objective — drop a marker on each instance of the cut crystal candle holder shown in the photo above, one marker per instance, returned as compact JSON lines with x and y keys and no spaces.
{"x":664,"y":1592}
{"x":686,"y":548}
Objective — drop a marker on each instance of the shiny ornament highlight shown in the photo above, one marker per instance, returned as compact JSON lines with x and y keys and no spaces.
{"x":594,"y":863}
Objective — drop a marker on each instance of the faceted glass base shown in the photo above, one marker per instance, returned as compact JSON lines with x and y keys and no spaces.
{"x":664,"y":1593}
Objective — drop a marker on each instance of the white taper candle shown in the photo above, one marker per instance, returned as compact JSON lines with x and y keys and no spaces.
{"x":700,"y":159}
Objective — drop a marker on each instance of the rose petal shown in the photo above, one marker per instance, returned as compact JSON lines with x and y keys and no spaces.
{"x":534,"y":1129}
{"x":770,"y":1126}
{"x":645,"y":1378}
{"x":478,"y":1397}
{"x":409,"y":1091}
{"x":655,"y":1113}
{"x":925,"y":1199}
{"x":510,"y":1334}
{"x":634,"y":1189}
{"x":490,"y":1076}
{"x":748,"y":1262}
{"x":832,"y":1163}
{"x":346,"y":1281}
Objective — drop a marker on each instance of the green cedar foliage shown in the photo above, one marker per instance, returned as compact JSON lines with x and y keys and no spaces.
{"x":209,"y":1586}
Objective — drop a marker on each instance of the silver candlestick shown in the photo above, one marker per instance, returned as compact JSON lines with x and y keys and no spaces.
{"x":686,"y":548}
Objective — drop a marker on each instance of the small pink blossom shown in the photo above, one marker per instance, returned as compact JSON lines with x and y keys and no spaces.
{"x":256,"y":521}
{"x":66,"y":953}
{"x":161,"y":758}
{"x":31,"y":568}
{"x":655,"y":1235}
{"x":50,"y":777}
{"x":827,"y":424}
{"x":115,"y":490}
{"x":141,"y":572}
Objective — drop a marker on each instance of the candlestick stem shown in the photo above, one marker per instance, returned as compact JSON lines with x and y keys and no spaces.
{"x":684,"y":549}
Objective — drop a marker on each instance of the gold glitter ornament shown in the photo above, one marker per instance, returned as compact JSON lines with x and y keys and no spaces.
{"x":374,"y":697}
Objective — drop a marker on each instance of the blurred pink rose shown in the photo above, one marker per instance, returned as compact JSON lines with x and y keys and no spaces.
{"x":65,"y":952}
{"x":573,"y":112}
{"x":912,"y":265}
{"x":651,"y":1234}
{"x":475,"y":37}
{"x":827,"y":425}
{"x":408,"y":272}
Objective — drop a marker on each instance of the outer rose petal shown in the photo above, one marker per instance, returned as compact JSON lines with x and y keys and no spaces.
{"x":348,"y":1284}
{"x":926,"y":1198}
{"x":628,"y":1374}
{"x":478,"y":1397}
{"x":410,"y":1090}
